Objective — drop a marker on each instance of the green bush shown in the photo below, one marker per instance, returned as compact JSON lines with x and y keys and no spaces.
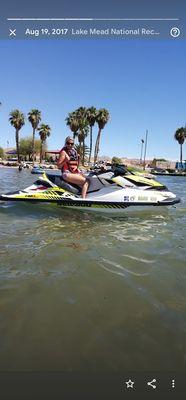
{"x":2,"y":154}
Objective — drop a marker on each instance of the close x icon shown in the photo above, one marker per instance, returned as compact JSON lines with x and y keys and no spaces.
{"x":12,"y":32}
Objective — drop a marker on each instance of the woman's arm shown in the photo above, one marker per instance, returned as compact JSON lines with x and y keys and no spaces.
{"x":61,"y":160}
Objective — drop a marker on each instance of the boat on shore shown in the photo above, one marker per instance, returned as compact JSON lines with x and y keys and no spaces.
{"x":166,"y":173}
{"x":38,"y":169}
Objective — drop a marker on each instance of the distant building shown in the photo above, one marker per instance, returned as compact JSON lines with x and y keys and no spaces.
{"x":166,"y":164}
{"x":52,"y":154}
{"x":134,"y":162}
{"x":10,"y":151}
{"x":181,"y":166}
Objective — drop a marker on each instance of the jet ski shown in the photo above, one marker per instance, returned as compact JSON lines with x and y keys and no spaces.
{"x":109,"y":190}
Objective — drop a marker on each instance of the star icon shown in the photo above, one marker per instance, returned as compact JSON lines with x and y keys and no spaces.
{"x":130,"y":384}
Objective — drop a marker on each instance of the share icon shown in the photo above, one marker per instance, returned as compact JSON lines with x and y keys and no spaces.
{"x":151,"y":383}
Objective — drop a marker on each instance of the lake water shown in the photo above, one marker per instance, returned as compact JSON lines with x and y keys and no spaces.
{"x":87,"y":292}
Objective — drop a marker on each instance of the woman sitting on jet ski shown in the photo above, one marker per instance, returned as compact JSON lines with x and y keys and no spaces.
{"x":68,"y":163}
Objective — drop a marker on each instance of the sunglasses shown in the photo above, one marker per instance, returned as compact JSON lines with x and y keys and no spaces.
{"x":70,"y":144}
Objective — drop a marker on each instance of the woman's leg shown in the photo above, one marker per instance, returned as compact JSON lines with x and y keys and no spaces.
{"x":85,"y":188}
{"x":79,"y":180}
{"x":74,"y":178}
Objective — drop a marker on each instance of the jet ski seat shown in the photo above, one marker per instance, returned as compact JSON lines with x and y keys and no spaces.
{"x":95,"y":183}
{"x":59,"y":181}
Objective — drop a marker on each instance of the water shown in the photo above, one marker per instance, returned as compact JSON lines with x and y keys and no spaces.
{"x":87,"y":292}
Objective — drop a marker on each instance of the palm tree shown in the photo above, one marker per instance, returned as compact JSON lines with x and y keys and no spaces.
{"x":17,"y":120}
{"x":73,"y":123}
{"x":81,"y":146}
{"x":91,"y":118}
{"x":180,"y":136}
{"x":83,"y":128}
{"x":34,"y":117}
{"x":79,"y":149}
{"x":44,"y":132}
{"x":101,"y":119}
{"x":78,"y":123}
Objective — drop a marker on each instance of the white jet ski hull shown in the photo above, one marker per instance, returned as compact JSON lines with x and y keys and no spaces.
{"x":107,"y":197}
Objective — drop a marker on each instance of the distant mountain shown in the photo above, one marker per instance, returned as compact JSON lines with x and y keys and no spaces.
{"x":104,"y":158}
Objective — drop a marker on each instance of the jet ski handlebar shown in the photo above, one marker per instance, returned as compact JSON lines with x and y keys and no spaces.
{"x":116,"y":170}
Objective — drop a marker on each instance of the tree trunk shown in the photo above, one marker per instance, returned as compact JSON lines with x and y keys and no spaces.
{"x":181,"y":154}
{"x":80,"y":152}
{"x":97,"y":146}
{"x":33,"y":146}
{"x":75,"y":137}
{"x":17,"y":145}
{"x":41,"y":152}
{"x":83,"y":151}
{"x":90,"y":153}
{"x":95,"y":150}
{"x":83,"y":148}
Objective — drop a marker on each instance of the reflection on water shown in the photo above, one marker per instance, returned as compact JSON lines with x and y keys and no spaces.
{"x":84,"y":291}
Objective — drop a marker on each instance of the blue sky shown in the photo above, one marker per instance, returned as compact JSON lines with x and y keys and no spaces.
{"x":141,"y":83}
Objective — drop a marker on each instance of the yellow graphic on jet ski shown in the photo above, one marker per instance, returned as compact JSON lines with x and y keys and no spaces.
{"x":139,"y":179}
